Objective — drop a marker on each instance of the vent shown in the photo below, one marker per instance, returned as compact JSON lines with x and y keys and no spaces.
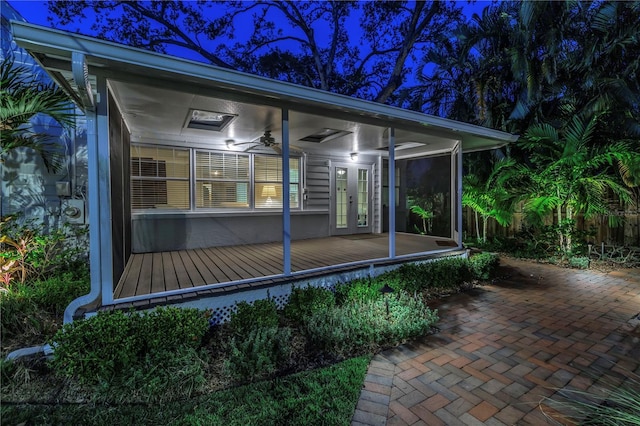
{"x":208,"y":120}
{"x":324,"y":135}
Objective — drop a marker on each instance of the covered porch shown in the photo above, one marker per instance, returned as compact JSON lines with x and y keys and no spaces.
{"x":204,"y":179}
{"x":181,"y":272}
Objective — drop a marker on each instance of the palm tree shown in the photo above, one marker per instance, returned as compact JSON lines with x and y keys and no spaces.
{"x":494,"y":198}
{"x":22,"y":97}
{"x":571,"y":175}
{"x":468,"y":76}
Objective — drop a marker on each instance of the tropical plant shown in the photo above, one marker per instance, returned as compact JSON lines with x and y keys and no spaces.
{"x":495,"y":198}
{"x":29,"y":253}
{"x":571,"y":175}
{"x":425,"y":215}
{"x":621,"y":407}
{"x":22,"y":97}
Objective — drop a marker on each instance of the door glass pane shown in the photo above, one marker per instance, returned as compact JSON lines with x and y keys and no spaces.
{"x":341,"y":197}
{"x":363,"y":197}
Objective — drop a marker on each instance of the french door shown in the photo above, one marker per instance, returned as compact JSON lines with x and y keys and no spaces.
{"x":351,"y":207}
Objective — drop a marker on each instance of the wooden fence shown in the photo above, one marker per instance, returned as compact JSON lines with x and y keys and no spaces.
{"x":628,"y":234}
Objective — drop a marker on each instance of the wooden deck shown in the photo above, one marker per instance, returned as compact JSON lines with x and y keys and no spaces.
{"x":151,"y":273}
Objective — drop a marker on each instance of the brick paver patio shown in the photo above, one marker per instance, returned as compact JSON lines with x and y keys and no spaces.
{"x":504,"y":347}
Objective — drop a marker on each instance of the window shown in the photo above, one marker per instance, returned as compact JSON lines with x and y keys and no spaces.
{"x":159,"y":178}
{"x":268,"y":182}
{"x":222,"y":180}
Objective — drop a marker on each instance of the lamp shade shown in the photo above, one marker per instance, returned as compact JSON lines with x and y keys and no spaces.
{"x":269,"y":191}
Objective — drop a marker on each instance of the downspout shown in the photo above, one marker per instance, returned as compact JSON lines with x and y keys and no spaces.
{"x":81,"y":77}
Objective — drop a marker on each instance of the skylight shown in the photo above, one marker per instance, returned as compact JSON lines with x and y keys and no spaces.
{"x":324,"y":135}
{"x":208,"y":120}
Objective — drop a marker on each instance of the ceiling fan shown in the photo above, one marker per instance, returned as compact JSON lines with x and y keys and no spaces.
{"x":267,"y":141}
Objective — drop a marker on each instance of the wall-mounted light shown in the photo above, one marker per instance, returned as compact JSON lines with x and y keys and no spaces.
{"x":230,"y":143}
{"x":354,"y":156}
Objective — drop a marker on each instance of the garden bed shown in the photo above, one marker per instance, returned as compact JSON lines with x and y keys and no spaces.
{"x":169,"y":355}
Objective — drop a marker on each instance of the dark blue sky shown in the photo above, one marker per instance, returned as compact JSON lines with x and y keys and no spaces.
{"x":35,"y":11}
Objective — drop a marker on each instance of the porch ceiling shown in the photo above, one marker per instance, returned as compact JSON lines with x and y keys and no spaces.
{"x":155,"y":114}
{"x":155,"y":93}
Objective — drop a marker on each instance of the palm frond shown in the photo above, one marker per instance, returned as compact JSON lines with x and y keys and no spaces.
{"x":23,"y":97}
{"x":540,"y":206}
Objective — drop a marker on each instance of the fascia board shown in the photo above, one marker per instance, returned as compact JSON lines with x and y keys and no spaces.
{"x":51,"y":41}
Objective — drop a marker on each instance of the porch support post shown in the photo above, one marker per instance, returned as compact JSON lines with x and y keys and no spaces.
{"x":459,"y":200}
{"x":286,"y":189}
{"x":392,"y":192}
{"x":104,"y":192}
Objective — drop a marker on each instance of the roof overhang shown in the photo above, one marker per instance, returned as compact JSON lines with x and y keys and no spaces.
{"x":55,"y":50}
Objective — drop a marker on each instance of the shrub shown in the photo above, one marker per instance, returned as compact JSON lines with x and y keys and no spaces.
{"x":357,"y":328}
{"x":32,"y":309}
{"x":441,"y":275}
{"x":483,"y":265}
{"x":54,"y":294}
{"x":258,"y":353}
{"x":170,"y":327}
{"x":163,"y":375}
{"x":304,"y":302}
{"x":19,"y":315}
{"x":579,"y":262}
{"x":359,"y":290}
{"x":35,"y":253}
{"x":262,"y":313}
{"x":111,"y":345}
{"x":96,"y":349}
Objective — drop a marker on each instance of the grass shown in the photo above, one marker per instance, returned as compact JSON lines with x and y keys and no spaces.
{"x":325,"y":396}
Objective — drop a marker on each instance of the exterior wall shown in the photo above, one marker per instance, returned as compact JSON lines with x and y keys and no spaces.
{"x":154,"y":233}
{"x":27,"y":187}
{"x":317,"y":183}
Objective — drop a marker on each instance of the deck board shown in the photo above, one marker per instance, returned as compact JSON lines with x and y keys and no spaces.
{"x":231,"y":270}
{"x":214,"y":269}
{"x":193,"y":272}
{"x":202,"y":268}
{"x":157,"y":274}
{"x":170,"y":278}
{"x":149,"y":273}
{"x":130,"y":284}
{"x":181,"y":272}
